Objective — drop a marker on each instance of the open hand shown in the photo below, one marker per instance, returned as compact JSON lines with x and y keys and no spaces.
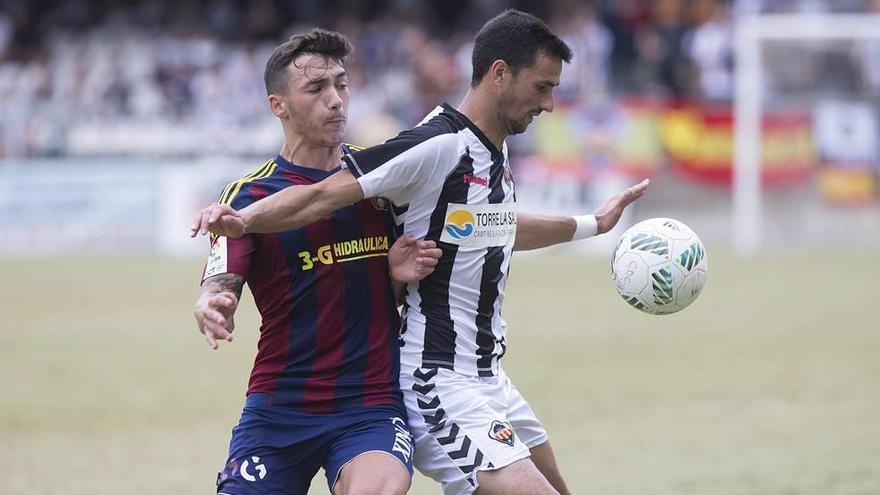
{"x":609,"y":213}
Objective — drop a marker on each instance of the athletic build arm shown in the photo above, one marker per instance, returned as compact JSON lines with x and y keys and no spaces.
{"x":537,"y":231}
{"x":290,"y":208}
{"x":397,"y":169}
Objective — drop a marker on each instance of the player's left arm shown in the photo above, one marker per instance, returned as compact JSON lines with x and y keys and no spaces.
{"x":537,"y":231}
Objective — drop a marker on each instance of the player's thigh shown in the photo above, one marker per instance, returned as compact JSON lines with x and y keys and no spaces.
{"x":382,"y":444}
{"x":545,"y":460}
{"x":520,"y":478}
{"x":373,"y":473}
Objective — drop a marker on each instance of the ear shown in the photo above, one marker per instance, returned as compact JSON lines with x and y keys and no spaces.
{"x":498,"y":71}
{"x":278,"y":107}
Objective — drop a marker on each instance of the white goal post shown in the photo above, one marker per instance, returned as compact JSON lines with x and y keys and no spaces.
{"x":751,"y":30}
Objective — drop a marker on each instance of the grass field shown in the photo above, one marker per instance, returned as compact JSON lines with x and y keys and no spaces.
{"x":769,"y":384}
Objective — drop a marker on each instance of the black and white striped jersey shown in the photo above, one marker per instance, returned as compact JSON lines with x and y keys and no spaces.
{"x":449,"y":184}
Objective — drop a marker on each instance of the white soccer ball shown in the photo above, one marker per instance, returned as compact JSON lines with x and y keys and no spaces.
{"x":659,"y":266}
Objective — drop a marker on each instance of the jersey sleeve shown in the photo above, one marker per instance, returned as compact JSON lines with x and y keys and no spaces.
{"x":405,"y":166}
{"x":228,"y":255}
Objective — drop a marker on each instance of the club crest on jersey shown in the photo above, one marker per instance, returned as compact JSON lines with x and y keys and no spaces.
{"x":501,"y":431}
{"x":459,"y":224}
{"x":380,"y":203}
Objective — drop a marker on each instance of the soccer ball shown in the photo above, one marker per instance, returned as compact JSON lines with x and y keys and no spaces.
{"x":659,"y":266}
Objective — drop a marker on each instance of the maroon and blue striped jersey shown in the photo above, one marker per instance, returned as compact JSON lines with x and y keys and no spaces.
{"x":329,"y":334}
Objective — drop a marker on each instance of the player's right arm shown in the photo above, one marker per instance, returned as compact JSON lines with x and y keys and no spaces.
{"x":215,"y":307}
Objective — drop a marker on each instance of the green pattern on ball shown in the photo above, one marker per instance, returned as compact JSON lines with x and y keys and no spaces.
{"x":691,"y":257}
{"x":634,"y":302}
{"x":662,"y":282}
{"x":650,"y":243}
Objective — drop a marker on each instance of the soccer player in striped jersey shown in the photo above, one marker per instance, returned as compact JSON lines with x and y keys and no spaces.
{"x":450,"y":181}
{"x":324,"y":387}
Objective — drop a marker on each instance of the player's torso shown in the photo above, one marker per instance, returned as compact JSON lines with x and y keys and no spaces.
{"x":329,"y":332}
{"x":453,"y":317}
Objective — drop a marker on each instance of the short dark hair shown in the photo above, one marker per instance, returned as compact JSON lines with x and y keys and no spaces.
{"x":318,"y":41}
{"x":516,"y":38}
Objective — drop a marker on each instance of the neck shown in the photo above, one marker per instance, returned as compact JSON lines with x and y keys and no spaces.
{"x":308,"y":154}
{"x":479,"y":108}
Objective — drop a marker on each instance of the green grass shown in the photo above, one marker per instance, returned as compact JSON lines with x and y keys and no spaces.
{"x":769,"y":384}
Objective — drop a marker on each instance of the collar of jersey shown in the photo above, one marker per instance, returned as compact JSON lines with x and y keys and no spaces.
{"x":496,"y":154}
{"x":314,"y":173}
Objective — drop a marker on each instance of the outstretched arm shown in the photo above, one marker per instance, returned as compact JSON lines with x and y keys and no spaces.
{"x":537,"y":231}
{"x":287,"y":209}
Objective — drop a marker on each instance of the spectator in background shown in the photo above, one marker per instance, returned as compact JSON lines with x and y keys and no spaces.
{"x":624,"y":19}
{"x":5,"y":32}
{"x":708,"y":44}
{"x":868,"y":52}
{"x":588,"y":75}
{"x":144,"y":65}
{"x":662,"y":61}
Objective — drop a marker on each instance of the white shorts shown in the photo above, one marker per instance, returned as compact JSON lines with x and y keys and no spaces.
{"x":464,"y":424}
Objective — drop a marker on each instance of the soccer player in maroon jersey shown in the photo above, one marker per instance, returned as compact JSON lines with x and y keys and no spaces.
{"x":324,"y":387}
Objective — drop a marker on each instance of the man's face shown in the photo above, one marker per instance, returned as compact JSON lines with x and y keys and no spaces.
{"x":528,"y":93}
{"x":317,"y":99}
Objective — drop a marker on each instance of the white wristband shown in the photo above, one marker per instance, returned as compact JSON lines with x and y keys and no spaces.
{"x":586,"y":227}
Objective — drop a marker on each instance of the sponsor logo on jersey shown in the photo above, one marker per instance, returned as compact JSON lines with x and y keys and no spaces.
{"x":484,"y":225}
{"x":259,"y":469}
{"x":459,"y":224}
{"x":474,"y":179}
{"x":501,"y":431}
{"x":341,"y":252}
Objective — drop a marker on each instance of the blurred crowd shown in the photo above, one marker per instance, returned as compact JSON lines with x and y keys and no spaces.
{"x":87,"y":77}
